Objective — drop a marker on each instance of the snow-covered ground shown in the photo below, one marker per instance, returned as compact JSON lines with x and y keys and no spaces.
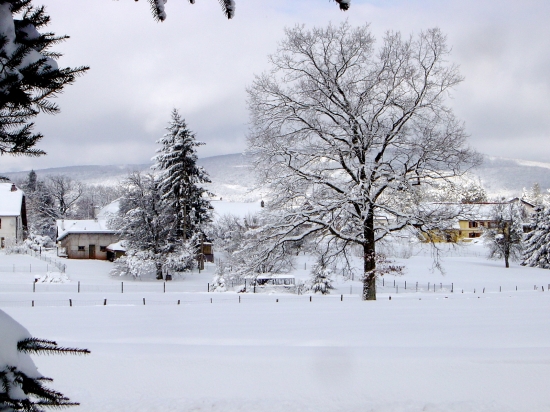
{"x":420,"y":351}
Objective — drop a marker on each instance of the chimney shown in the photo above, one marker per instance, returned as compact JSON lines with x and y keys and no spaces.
{"x":13,"y":188}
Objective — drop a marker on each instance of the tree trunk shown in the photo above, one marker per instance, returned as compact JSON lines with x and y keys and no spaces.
{"x":506,"y":258}
{"x":369,"y":261}
{"x":159,"y":271}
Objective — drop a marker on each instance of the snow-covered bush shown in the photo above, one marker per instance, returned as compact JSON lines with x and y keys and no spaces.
{"x":144,"y":264}
{"x":53,"y":277}
{"x":21,"y":385}
{"x":219,"y":282}
{"x":37,"y":242}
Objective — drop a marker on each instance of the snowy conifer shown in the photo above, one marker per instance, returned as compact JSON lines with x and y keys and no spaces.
{"x":181,"y":179}
{"x":29,"y":74}
{"x":504,"y":236}
{"x":21,"y":385}
{"x":537,"y":242}
{"x":321,"y":278}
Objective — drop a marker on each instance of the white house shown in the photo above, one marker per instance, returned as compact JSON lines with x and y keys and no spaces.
{"x":13,"y":215}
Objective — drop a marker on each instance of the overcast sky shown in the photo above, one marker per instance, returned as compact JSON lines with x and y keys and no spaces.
{"x":201,"y":63}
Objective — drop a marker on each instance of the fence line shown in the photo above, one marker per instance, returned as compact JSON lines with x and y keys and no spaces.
{"x":211,"y":299}
{"x":27,"y":251}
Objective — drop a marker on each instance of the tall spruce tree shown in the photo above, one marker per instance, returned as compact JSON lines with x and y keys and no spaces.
{"x":181,"y":178}
{"x":29,"y":75}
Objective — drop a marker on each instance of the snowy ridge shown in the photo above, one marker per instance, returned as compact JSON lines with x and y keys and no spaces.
{"x":233,"y":179}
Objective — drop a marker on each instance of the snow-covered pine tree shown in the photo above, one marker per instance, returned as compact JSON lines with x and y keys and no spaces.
{"x":321,"y":278}
{"x":504,"y":237}
{"x":21,"y":385}
{"x":181,"y":179}
{"x":537,"y":242}
{"x":29,"y":75}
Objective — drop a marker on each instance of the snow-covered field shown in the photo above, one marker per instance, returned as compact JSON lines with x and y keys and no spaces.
{"x":419,"y":351}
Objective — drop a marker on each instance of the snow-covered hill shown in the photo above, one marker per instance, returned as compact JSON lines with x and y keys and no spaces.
{"x":232,"y":179}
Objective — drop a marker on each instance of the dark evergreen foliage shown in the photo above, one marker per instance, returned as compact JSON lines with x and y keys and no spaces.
{"x":181,"y":178}
{"x":228,"y":7}
{"x":29,"y":77}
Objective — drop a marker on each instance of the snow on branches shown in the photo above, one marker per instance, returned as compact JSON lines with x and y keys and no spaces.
{"x":504,"y":237}
{"x":347,"y":137}
{"x":537,"y":242}
{"x":21,"y":385}
{"x":29,"y":75}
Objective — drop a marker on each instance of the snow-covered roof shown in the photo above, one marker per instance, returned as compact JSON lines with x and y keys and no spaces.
{"x":118,"y":246}
{"x":66,"y":227}
{"x":10,"y":202}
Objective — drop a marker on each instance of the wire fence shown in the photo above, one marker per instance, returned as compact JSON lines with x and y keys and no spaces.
{"x":52,"y":264}
{"x":212,"y":298}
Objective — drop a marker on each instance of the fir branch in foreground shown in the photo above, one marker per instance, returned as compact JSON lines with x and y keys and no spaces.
{"x":39,"y":346}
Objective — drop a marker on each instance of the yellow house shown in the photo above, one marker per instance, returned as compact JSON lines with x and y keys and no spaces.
{"x":474,"y":221}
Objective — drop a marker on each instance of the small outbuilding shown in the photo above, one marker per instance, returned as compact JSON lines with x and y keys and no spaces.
{"x":84,"y":239}
{"x":115,"y":250}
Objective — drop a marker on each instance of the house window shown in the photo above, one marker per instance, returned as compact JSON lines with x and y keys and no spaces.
{"x":0,"y":223}
{"x":103,"y":248}
{"x":81,"y":249}
{"x":472,"y":224}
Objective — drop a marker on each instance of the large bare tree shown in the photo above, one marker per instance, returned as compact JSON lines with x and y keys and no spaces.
{"x":344,"y":135}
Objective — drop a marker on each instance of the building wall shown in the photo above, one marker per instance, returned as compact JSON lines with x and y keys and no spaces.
{"x":77,"y":245}
{"x":11,"y":230}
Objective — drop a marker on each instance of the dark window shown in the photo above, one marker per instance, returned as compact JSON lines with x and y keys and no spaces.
{"x":81,"y":249}
{"x":472,"y":224}
{"x":103,"y":248}
{"x":0,"y":223}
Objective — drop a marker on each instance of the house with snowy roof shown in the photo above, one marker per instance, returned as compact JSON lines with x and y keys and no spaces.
{"x":13,"y":215}
{"x":84,"y":239}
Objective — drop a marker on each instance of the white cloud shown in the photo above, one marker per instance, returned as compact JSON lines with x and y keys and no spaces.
{"x":200,"y":63}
